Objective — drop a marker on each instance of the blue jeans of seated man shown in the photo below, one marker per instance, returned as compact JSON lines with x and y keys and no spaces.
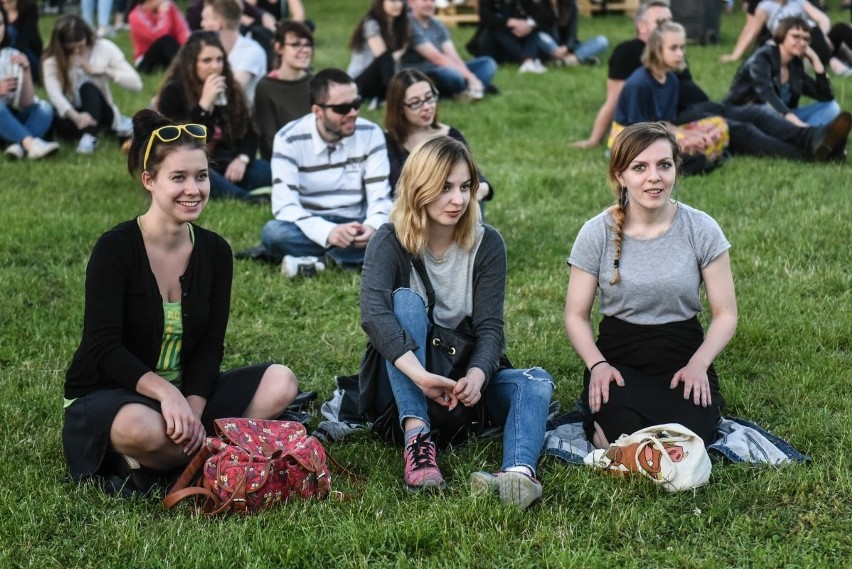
{"x":583,"y":50}
{"x":33,"y":120}
{"x":518,"y":399}
{"x":818,"y":113}
{"x":258,"y":174}
{"x":451,"y":82}
{"x":285,"y":238}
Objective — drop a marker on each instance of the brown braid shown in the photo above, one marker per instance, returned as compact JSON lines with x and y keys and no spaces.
{"x":628,"y":144}
{"x":618,"y":215}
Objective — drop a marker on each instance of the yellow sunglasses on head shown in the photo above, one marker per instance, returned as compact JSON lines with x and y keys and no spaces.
{"x":171,"y":133}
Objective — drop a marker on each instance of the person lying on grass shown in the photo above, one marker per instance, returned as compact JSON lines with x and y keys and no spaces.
{"x":648,"y":255}
{"x":435,"y":221}
{"x":144,"y":385}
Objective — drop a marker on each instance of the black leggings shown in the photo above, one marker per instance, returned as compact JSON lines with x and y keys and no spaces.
{"x":93,"y":102}
{"x":373,"y":81}
{"x":159,"y":55}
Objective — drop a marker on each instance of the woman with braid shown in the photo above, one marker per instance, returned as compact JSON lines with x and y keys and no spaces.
{"x":648,"y":255}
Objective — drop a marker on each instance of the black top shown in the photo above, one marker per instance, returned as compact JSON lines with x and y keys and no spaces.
{"x":758,"y":80}
{"x":625,"y":59}
{"x":123,"y":316}
{"x":29,"y":38}
{"x":172,"y":104}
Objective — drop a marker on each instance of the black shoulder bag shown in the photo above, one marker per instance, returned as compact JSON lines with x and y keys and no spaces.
{"x":448,"y":352}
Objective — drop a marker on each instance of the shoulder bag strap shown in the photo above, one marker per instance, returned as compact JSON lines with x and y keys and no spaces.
{"x":424,"y":277}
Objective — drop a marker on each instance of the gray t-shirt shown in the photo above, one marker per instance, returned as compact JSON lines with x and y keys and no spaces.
{"x":452,"y":280}
{"x":435,"y":33}
{"x":660,"y":278}
{"x":775,"y":12}
{"x":362,"y":58}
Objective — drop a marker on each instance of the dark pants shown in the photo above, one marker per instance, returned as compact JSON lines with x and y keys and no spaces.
{"x":503,"y":45}
{"x":756,"y":130}
{"x":159,"y":55}
{"x":373,"y":82}
{"x":93,"y":102}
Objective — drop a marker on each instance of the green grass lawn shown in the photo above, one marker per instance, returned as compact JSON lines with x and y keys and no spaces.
{"x":788,"y":368}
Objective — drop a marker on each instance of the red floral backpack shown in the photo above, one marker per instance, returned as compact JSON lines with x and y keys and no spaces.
{"x":252,"y":465}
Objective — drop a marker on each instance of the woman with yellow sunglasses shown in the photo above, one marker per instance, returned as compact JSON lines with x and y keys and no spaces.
{"x":144,"y":385}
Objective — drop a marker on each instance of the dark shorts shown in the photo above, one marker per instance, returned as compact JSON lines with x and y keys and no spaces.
{"x":88,"y":421}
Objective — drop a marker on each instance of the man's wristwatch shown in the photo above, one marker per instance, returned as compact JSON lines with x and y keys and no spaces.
{"x":244,"y":159}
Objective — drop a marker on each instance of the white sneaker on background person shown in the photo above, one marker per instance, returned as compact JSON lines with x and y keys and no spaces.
{"x":15,"y":151}
{"x":40,"y":148}
{"x":87,"y":145}
{"x":125,"y":127}
{"x":301,"y":266}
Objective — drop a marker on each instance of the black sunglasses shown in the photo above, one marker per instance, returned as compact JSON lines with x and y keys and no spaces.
{"x":343,"y":108}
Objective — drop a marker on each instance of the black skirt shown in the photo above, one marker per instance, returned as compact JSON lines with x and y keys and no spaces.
{"x":648,"y":356}
{"x":88,"y":420}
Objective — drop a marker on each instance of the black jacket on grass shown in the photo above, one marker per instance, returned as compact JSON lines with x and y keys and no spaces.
{"x":123,"y":317}
{"x":758,"y":80}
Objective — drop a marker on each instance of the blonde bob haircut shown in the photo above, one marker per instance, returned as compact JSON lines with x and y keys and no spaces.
{"x":422,"y":182}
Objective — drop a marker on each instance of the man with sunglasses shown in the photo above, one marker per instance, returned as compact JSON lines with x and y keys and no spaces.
{"x":330,"y":188}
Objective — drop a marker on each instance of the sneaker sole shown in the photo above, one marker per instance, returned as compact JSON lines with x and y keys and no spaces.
{"x":427,"y":486}
{"x":517,"y":489}
{"x":483,"y":483}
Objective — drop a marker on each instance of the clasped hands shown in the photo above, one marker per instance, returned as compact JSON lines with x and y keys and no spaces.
{"x":448,"y":393}
{"x":183,"y":421}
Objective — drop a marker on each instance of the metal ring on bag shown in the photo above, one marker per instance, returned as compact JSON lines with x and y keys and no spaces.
{"x":436,"y":342}
{"x":451,"y":350}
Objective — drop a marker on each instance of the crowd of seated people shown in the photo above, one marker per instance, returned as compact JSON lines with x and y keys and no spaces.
{"x":267,"y":47}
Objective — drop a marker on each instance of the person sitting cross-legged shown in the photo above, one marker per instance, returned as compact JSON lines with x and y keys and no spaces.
{"x":330,"y":188}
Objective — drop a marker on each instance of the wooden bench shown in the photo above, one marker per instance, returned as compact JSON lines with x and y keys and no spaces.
{"x":466,"y":12}
{"x":587,"y":7}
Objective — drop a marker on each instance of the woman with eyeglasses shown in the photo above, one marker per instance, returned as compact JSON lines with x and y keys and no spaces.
{"x":411,"y":116}
{"x":200,"y":88}
{"x":78,"y":71}
{"x":144,"y":385}
{"x":377,"y":45}
{"x":437,"y":261}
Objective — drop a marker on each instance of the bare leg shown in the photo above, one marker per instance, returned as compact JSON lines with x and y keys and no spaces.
{"x":599,"y":438}
{"x":277,"y":390}
{"x":140,"y":432}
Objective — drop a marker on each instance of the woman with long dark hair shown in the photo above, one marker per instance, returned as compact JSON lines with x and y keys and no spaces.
{"x":144,"y":385}
{"x":377,"y":45}
{"x":78,"y":71}
{"x":411,"y":116}
{"x":200,"y":87}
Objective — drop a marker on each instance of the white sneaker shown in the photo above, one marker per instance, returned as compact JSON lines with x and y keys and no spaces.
{"x":532,"y":66}
{"x":87,"y":144}
{"x":301,"y":266}
{"x":40,"y":148}
{"x":15,"y":151}
{"x":125,"y":127}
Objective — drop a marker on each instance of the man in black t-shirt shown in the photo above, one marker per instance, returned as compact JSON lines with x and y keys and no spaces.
{"x":625,"y":59}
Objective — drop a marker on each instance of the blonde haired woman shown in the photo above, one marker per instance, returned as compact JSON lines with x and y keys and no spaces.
{"x":648,"y":255}
{"x":433,"y":223}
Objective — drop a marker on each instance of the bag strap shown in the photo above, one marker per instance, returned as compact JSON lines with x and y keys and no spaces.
{"x":424,"y":277}
{"x":349,"y":475}
{"x":181,"y":490}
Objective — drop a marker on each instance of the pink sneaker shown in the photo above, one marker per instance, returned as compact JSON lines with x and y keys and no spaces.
{"x":421,"y":469}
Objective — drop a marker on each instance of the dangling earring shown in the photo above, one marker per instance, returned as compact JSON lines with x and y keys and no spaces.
{"x":675,"y":193}
{"x":622,"y":200}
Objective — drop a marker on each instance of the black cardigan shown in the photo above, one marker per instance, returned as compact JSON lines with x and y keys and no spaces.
{"x":758,"y":80}
{"x":123,"y":315}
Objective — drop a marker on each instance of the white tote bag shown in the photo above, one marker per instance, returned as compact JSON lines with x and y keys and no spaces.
{"x":671,"y":455}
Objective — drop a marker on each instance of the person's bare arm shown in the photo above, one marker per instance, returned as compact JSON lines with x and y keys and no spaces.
{"x":603,"y":120}
{"x":748,"y":34}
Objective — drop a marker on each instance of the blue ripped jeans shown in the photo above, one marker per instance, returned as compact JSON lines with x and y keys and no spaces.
{"x":518,"y":399}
